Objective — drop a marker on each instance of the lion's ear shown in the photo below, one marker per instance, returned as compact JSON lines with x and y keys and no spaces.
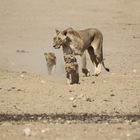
{"x":64,"y":32}
{"x":57,"y":31}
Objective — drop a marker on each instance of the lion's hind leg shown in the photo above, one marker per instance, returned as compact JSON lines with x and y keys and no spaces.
{"x":96,"y":57}
{"x":68,"y":78}
{"x":85,"y":71}
{"x":95,"y":61}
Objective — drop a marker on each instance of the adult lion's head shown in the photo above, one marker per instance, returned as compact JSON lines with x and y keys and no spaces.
{"x":70,"y":40}
{"x":60,"y":39}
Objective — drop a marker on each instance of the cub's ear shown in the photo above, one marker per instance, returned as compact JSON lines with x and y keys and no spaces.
{"x":57,"y":31}
{"x":45,"y":53}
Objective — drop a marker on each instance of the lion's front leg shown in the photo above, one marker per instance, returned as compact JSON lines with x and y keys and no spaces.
{"x":75,"y":78}
{"x":85,"y":71}
{"x":97,"y":69}
{"x":68,"y":78}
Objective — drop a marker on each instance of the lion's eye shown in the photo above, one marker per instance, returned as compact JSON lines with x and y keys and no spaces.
{"x":54,"y":38}
{"x":59,"y":38}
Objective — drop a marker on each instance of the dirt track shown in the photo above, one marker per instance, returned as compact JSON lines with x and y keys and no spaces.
{"x":36,"y":106}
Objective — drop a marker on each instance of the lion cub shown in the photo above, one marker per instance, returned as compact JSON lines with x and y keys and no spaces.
{"x":71,"y":68}
{"x":51,"y":62}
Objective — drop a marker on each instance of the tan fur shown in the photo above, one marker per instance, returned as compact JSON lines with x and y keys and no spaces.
{"x":78,"y":41}
{"x":51,"y":62}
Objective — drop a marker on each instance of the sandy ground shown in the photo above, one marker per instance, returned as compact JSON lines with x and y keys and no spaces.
{"x":36,"y":106}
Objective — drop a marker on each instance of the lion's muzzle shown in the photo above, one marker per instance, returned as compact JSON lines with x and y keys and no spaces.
{"x":56,"y":46}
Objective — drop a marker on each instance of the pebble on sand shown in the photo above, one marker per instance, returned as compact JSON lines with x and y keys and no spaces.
{"x":112,"y":94}
{"x":19,"y":89}
{"x":70,"y":90}
{"x":134,"y":70}
{"x":71,"y":98}
{"x":88,"y":99}
{"x":80,"y":96}
{"x":27,"y":132}
{"x":13,"y":87}
{"x":74,"y":105}
{"x":22,"y":75}
{"x":42,"y":82}
{"x":45,"y":130}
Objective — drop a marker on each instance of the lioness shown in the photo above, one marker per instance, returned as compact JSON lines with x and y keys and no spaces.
{"x":71,"y":68}
{"x":51,"y":62}
{"x":78,"y":41}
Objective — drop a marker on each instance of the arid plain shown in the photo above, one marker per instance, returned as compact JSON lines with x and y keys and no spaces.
{"x":36,"y":106}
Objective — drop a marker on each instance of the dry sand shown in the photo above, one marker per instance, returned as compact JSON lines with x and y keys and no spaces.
{"x":36,"y":106}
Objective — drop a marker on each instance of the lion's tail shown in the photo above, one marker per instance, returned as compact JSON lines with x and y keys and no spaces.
{"x":107,"y":69}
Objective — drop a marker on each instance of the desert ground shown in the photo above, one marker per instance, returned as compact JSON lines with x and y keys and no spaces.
{"x":36,"y":106}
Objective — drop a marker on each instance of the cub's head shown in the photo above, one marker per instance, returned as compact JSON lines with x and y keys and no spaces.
{"x":50,"y":58}
{"x":71,"y":68}
{"x":60,"y":38}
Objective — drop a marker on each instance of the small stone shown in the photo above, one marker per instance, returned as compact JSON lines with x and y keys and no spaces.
{"x":19,"y":90}
{"x":134,"y":70}
{"x":9,"y":90}
{"x":23,"y":51}
{"x":42,"y":82}
{"x":74,"y":106}
{"x":23,"y":72}
{"x":127,"y":121}
{"x":13,"y":87}
{"x":27,"y":132}
{"x":119,"y":128}
{"x":71,"y":98}
{"x":112,"y":73}
{"x":68,"y":122}
{"x":0,"y":88}
{"x":80,"y":96}
{"x":18,"y":51}
{"x":93,"y":82}
{"x":22,"y":75}
{"x":39,"y":118}
{"x":128,"y":135}
{"x":112,"y":95}
{"x":70,"y":91}
{"x":45,"y":121}
{"x":88,"y":100}
{"x":43,"y":131}
{"x":106,"y":100}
